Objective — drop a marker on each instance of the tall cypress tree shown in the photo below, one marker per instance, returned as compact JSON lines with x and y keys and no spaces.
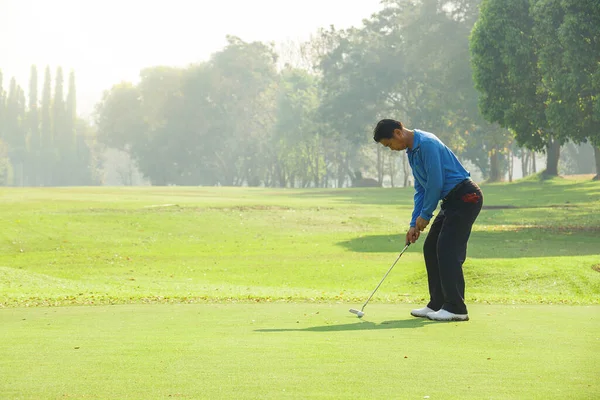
{"x":21,"y":148}
{"x":71,"y":106}
{"x":10,"y":121}
{"x":2,"y":107}
{"x":15,"y":134}
{"x":4,"y":163}
{"x":11,"y":124}
{"x":5,"y":167}
{"x":47,"y":140}
{"x":58,"y":129}
{"x":34,"y":166}
{"x":70,"y":155}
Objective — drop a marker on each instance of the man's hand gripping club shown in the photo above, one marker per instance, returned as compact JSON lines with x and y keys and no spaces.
{"x":415,"y":231}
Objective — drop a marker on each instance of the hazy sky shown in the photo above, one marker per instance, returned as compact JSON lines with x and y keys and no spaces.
{"x":107,"y":41}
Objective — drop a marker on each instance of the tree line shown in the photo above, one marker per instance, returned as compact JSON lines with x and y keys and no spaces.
{"x":494,"y":79}
{"x":42,"y":140}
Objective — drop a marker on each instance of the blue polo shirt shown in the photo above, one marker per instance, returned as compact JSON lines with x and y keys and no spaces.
{"x":436,"y":170}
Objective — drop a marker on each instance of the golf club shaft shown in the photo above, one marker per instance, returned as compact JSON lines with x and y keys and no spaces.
{"x":385,"y":276}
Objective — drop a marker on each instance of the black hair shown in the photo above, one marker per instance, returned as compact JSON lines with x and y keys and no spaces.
{"x":385,"y":129}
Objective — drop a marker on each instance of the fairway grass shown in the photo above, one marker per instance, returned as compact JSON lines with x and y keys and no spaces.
{"x":243,"y":293}
{"x":533,"y":243}
{"x":299,"y":351}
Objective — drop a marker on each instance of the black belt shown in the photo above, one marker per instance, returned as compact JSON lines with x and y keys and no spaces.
{"x":456,"y":188}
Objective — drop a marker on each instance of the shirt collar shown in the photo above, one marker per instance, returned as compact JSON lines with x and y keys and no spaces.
{"x":416,"y":142}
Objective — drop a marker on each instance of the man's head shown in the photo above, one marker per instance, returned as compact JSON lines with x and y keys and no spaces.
{"x":390,"y":133}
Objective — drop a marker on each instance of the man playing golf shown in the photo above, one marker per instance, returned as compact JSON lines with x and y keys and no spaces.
{"x":438,"y":176}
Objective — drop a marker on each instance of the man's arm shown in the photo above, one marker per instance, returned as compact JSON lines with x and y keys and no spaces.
{"x":432,"y":161}
{"x":418,"y":200}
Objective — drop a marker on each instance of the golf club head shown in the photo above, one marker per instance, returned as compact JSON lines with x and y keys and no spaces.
{"x":358,"y":313}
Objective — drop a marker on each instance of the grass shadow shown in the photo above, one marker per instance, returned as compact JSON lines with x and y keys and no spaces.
{"x":524,"y":242}
{"x":359,"y":326}
{"x":371,"y":196}
{"x":525,"y":193}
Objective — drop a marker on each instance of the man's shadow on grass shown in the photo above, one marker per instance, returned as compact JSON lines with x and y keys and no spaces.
{"x":359,"y":326}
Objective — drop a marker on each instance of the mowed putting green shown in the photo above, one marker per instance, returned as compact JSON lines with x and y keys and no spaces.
{"x":139,"y":293}
{"x":273,"y":351}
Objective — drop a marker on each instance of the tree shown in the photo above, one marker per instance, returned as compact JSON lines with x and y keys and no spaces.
{"x":295,"y":147}
{"x":120,"y":120}
{"x":221,"y":121}
{"x":119,"y":117}
{"x":28,"y":154}
{"x":244,"y":100}
{"x":506,"y":72}
{"x":2,"y":109}
{"x":86,"y":163}
{"x":410,"y":61}
{"x":60,"y":134}
{"x":15,"y":134}
{"x":163,"y":148}
{"x":461,"y":124}
{"x":71,"y":104}
{"x":207,"y":124}
{"x":569,"y":35}
{"x":71,"y":116}
{"x":5,"y":166}
{"x":356,"y":80}
{"x":47,"y":139}
{"x":33,"y":131}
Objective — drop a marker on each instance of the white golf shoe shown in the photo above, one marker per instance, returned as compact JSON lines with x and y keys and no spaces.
{"x":421,"y":312}
{"x":444,"y":315}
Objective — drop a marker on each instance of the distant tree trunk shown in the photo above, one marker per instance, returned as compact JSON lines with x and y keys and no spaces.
{"x":494,"y":166}
{"x":553,"y":153}
{"x":405,"y":168}
{"x":392,"y":161}
{"x":329,"y":178}
{"x":533,"y":167}
{"x":317,"y":165}
{"x":343,"y":170}
{"x":340,"y":173}
{"x":510,"y":166}
{"x":125,"y":174}
{"x":597,"y":156}
{"x":525,"y":163}
{"x":280,"y":174}
{"x":380,"y":165}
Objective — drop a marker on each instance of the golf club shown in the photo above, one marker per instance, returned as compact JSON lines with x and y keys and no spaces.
{"x":360,"y":313}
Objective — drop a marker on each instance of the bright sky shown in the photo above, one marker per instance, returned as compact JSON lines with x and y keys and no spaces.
{"x":107,"y":41}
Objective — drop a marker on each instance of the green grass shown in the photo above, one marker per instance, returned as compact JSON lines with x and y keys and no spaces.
{"x":299,"y":351}
{"x":243,"y":293}
{"x":537,"y":242}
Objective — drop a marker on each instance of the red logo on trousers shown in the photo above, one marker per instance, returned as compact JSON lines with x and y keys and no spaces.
{"x":471,"y":198}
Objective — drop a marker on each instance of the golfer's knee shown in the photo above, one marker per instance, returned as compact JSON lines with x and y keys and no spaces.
{"x":430,"y":247}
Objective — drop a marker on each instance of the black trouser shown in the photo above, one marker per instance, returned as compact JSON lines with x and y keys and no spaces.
{"x":445,"y":247}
